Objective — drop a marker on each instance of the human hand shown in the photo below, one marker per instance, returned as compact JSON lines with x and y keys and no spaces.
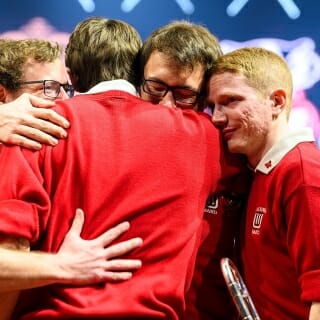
{"x":29,"y":122}
{"x":92,"y":261}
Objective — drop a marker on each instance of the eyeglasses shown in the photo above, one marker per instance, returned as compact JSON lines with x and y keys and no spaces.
{"x":51,"y":88}
{"x":180,"y":94}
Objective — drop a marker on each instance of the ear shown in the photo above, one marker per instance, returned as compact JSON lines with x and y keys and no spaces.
{"x":73,"y":78}
{"x":279,"y":99}
{"x":3,"y":94}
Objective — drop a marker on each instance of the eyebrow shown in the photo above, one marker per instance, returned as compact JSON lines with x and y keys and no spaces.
{"x":178,"y":86}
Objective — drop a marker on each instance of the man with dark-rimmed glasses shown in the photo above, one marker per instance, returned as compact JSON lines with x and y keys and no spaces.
{"x":183,"y":96}
{"x":174,"y":63}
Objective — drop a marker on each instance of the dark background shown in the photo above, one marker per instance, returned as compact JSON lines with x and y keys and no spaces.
{"x":258,"y":18}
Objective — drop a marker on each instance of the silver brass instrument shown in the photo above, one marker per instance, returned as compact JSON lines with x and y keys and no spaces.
{"x":238,"y":290}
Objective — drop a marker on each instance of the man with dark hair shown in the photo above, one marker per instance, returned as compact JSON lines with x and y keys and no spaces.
{"x":174,"y":64}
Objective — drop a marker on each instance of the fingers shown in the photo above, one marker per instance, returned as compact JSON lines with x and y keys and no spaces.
{"x":37,"y":115}
{"x":113,"y":233}
{"x":77,"y":222}
{"x":121,"y":270}
{"x":31,"y":127}
{"x":41,"y":110}
{"x":118,"y":276}
{"x":38,"y":102}
{"x":97,"y":260}
{"x":124,"y":265}
{"x":16,"y":139}
{"x":122,"y":248}
{"x":28,"y":137}
{"x":51,"y":116}
{"x":49,"y":125}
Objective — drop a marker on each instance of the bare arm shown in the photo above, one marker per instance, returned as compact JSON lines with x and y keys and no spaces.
{"x":8,"y":300}
{"x":77,"y":262}
{"x":29,"y":122}
{"x":315,"y":311}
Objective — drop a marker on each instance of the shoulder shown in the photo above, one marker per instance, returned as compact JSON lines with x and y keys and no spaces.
{"x":301,"y":164}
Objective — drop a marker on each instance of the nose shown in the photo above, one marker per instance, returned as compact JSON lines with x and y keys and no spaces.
{"x":219,"y":118}
{"x":168,"y":100}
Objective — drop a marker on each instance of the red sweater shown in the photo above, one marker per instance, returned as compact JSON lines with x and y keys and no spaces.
{"x":124,"y":159}
{"x":281,"y":240}
{"x":209,"y":298}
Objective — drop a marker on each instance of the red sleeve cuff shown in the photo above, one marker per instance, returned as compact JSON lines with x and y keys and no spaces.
{"x":19,"y":218}
{"x":310,"y":284}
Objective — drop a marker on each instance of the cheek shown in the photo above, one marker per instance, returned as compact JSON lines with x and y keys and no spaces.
{"x":149,"y":98}
{"x":144,"y":96}
{"x":254,"y":121}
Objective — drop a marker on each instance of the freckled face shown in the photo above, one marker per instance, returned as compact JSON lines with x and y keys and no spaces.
{"x":243,"y":115}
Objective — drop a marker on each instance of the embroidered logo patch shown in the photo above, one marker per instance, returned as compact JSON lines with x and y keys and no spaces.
{"x":257,"y":220}
{"x":212,"y":205}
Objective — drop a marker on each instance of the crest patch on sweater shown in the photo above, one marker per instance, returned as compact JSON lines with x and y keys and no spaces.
{"x":257,"y":220}
{"x":212,"y":204}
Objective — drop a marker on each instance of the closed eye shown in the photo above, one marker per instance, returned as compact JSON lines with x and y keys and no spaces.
{"x":228,"y":100}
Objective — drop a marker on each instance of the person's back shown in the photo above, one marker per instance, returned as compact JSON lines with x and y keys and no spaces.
{"x":129,"y":161}
{"x":124,"y":159}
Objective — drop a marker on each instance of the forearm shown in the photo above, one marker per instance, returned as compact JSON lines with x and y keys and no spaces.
{"x":21,"y":270}
{"x":315,"y":311}
{"x":78,"y":261}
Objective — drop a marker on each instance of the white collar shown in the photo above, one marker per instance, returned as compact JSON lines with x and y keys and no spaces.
{"x":119,"y":84}
{"x":281,"y":148}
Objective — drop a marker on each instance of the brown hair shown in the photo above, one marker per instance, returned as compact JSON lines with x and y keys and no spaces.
{"x":14,"y":54}
{"x":186,"y":44}
{"x":264,"y":70}
{"x":102,"y":49}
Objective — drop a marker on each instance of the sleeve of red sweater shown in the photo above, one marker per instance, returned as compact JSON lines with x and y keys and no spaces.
{"x":304,"y":239}
{"x":23,"y":200}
